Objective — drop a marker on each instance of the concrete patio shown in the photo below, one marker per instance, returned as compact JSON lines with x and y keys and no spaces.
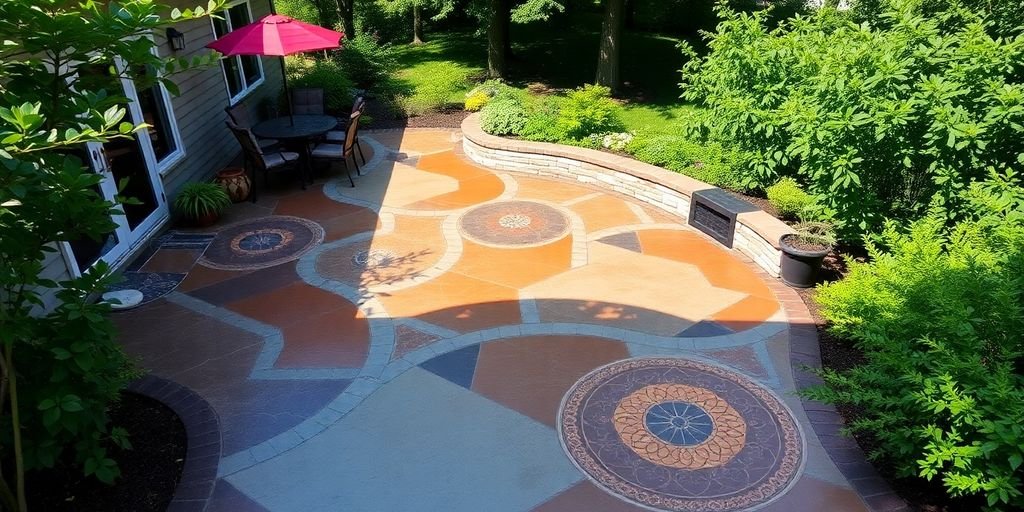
{"x":449,"y":337}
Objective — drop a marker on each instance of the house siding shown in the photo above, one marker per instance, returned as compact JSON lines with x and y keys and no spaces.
{"x":199,"y":113}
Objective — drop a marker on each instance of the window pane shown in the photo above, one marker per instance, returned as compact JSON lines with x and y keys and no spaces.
{"x":220,"y":27}
{"x":231,"y":72}
{"x":251,"y":69}
{"x":154,"y":113}
{"x":239,"y":16}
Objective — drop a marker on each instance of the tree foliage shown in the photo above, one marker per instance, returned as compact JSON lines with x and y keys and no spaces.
{"x":62,"y":368}
{"x":878,"y":122}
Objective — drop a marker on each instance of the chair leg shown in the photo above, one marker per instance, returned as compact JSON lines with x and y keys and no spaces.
{"x":348,"y":172}
{"x":360,"y":148}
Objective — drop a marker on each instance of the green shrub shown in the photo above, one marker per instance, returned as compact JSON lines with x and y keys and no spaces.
{"x":503,"y":117}
{"x":437,"y":85}
{"x":542,"y":124}
{"x":325,"y":74}
{"x":709,"y":162}
{"x":788,"y":198}
{"x":366,"y":61}
{"x":587,"y":111}
{"x":939,"y":316}
{"x":877,"y":122}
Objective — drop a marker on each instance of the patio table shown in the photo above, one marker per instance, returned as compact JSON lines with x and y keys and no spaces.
{"x":296,"y":131}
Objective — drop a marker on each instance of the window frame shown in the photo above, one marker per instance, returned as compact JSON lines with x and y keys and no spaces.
{"x":246,"y":90}
{"x":164,"y":165}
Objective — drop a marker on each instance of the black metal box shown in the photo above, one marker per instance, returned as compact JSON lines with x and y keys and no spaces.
{"x":714,"y":212}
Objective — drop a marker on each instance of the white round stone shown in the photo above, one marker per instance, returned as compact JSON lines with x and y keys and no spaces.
{"x":123,"y":299}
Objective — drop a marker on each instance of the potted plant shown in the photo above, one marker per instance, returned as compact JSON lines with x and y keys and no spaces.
{"x":803,"y":252}
{"x":202,"y":203}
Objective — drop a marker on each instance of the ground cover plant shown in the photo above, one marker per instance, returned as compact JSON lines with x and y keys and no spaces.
{"x":938,"y":312}
{"x":878,"y":122}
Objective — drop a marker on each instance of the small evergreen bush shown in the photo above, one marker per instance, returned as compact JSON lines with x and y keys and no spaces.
{"x":366,"y":61}
{"x":788,"y":198}
{"x":709,"y":163}
{"x":939,"y":316}
{"x":503,"y":116}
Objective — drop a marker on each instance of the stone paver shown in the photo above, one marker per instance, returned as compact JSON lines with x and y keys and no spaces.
{"x":446,"y":336}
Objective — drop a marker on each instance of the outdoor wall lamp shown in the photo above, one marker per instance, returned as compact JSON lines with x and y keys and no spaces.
{"x":175,"y":39}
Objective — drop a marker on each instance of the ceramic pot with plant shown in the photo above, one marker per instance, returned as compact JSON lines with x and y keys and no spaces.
{"x":235,"y":182}
{"x":803,"y":252}
{"x":202,"y":203}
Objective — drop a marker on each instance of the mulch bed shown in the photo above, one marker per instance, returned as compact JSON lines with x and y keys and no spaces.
{"x":383,"y":119}
{"x":149,"y":471}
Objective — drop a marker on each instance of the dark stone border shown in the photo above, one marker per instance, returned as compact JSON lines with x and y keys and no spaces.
{"x":804,"y":355}
{"x":202,"y":428}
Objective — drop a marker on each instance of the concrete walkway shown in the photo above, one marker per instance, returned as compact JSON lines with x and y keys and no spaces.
{"x":445,"y":337}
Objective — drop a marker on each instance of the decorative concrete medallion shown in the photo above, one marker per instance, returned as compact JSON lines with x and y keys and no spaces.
{"x":374,"y":258}
{"x":680,"y":435}
{"x":261,"y":243}
{"x":514,"y":223}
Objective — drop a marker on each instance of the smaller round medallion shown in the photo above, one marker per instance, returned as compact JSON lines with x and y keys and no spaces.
{"x":514,"y":221}
{"x":373,"y":258}
{"x":261,"y":242}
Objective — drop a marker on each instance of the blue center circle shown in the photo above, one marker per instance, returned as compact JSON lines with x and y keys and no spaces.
{"x":261,"y":241}
{"x":679,"y":423}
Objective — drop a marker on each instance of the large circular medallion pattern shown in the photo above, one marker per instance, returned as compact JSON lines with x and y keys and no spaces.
{"x":514,"y":223}
{"x":680,"y":435}
{"x":262,"y":242}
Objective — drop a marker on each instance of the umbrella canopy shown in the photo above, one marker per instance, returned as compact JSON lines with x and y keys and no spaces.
{"x":278,"y":35}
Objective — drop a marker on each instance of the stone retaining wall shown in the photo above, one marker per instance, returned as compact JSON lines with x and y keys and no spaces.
{"x":757,"y":233}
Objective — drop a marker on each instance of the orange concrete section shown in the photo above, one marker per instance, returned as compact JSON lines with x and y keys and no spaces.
{"x":338,"y":338}
{"x":288,"y":304}
{"x":809,"y":493}
{"x":515,"y":267}
{"x":555,"y":191}
{"x":345,"y":226}
{"x":720,"y":266}
{"x":201,"y":277}
{"x":532,"y":374}
{"x":414,"y":141}
{"x":456,"y":302}
{"x":747,"y":313}
{"x":476,"y":184}
{"x":605,"y":212}
{"x":313,"y":205}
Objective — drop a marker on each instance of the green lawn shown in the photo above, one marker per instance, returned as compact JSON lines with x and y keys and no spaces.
{"x":443,"y":70}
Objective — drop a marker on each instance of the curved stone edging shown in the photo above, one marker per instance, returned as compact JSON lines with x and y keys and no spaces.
{"x":202,"y":429}
{"x":757,"y":232}
{"x":846,"y":454}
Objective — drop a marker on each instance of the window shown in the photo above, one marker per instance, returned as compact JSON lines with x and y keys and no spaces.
{"x":242,"y":73}
{"x":155,"y":107}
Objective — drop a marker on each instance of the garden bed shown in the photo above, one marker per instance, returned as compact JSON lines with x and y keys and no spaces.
{"x":150,"y":469}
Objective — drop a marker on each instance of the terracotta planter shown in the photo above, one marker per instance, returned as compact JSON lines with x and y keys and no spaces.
{"x":235,"y":182}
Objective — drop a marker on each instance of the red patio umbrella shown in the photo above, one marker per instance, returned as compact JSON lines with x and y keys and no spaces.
{"x":277,"y":35}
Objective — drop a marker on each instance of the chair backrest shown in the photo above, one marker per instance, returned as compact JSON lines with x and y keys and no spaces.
{"x":239,"y":115}
{"x":351,"y":130}
{"x":359,"y":104}
{"x":250,"y":147}
{"x":308,"y":101}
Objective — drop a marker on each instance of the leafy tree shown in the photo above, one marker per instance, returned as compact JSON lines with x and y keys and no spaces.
{"x":498,"y":14}
{"x":62,"y":368}
{"x":441,"y":8}
{"x":877,"y":122}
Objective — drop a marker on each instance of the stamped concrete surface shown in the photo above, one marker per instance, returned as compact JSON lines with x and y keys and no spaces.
{"x":449,"y":337}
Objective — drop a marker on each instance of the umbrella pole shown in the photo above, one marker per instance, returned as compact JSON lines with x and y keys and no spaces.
{"x":287,"y":93}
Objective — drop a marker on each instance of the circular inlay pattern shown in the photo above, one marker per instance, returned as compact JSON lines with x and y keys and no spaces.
{"x":514,"y":223}
{"x":261,"y":243}
{"x":675,"y":434}
{"x":373,"y":258}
